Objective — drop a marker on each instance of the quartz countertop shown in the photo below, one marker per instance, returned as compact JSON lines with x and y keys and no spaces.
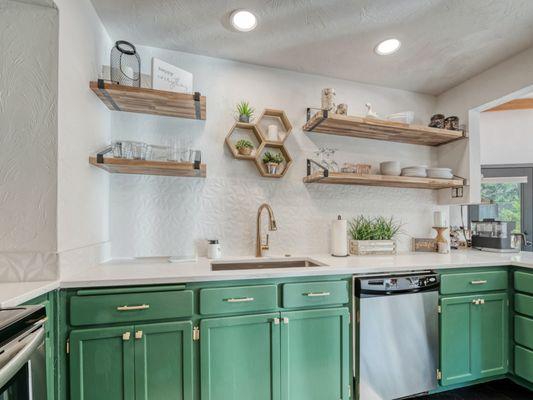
{"x":160,"y":271}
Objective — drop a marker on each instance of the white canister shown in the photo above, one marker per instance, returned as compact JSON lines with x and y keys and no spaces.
{"x":273,"y":133}
{"x":214,"y":249}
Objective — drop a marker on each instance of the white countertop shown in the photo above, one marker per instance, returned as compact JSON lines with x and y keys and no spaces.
{"x":160,"y":271}
{"x":13,"y":294}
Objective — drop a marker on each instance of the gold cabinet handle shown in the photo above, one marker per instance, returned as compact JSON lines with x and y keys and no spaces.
{"x":317,"y":294}
{"x":126,"y":336}
{"x":138,"y":335}
{"x":286,"y":320}
{"x":240,"y":300}
{"x":276,"y":321}
{"x":481,"y":301}
{"x":133,"y":308}
{"x":481,"y":282}
{"x":475,"y":301}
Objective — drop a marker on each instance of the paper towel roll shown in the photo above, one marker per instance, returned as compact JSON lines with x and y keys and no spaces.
{"x":339,"y":238}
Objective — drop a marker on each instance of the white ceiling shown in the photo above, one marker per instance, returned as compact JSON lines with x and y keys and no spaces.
{"x":444,"y":42}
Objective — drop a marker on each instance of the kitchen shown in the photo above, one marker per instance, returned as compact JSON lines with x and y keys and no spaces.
{"x":116,"y":247}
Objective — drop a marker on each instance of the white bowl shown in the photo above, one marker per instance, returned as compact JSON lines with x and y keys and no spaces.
{"x":390,"y":168}
{"x":419,"y":172}
{"x":441,"y":173}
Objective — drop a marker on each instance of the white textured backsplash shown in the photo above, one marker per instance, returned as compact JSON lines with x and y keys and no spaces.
{"x":152,"y":216}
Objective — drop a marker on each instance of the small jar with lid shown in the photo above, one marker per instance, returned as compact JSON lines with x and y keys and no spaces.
{"x":214,"y":249}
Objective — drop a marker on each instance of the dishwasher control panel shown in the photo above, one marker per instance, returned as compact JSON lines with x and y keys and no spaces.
{"x":396,"y":284}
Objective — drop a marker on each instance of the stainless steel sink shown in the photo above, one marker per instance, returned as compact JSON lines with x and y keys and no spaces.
{"x":263,"y":264}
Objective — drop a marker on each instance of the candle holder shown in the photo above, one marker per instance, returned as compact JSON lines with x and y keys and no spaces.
{"x":442,"y":243}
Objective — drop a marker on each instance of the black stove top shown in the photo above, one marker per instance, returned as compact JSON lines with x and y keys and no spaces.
{"x":13,"y":321}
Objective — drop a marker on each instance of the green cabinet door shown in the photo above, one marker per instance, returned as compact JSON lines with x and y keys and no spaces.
{"x":163,"y":361}
{"x":102,"y":364}
{"x":474,"y":337}
{"x":493,"y":335}
{"x":457,"y":339}
{"x":240,"y":357}
{"x":315,"y":355}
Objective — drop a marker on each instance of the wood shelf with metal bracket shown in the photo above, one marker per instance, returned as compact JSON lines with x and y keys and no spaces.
{"x":149,"y":101}
{"x":377,"y":129}
{"x":323,"y":175}
{"x":148,"y":167}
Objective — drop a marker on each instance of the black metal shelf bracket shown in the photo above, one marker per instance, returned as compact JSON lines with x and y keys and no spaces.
{"x":100,"y":155}
{"x":310,"y":164}
{"x":197,"y":159}
{"x":197,"y":105}
{"x":325,"y":114}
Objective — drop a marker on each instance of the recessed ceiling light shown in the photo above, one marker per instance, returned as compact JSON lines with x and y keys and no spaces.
{"x":243,"y":20}
{"x":387,"y":47}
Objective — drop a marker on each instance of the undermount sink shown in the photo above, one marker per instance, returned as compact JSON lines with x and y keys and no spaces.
{"x":263,"y":264}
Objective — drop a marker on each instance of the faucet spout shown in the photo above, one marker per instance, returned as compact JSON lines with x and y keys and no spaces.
{"x":272,"y":226}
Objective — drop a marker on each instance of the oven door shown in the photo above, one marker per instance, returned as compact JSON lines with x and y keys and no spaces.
{"x":23,"y":367}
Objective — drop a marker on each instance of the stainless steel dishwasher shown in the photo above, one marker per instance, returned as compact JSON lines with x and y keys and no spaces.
{"x":398,"y":334}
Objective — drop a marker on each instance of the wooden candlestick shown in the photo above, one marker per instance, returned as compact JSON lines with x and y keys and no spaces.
{"x":440,"y":236}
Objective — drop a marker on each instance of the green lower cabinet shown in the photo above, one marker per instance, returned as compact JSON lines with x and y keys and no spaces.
{"x":315,"y":355}
{"x":240,"y":357}
{"x":163,"y":361}
{"x":474,"y":337}
{"x":141,"y":362}
{"x":102,"y":364}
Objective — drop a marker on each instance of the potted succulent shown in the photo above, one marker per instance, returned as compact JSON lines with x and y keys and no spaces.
{"x":272,"y":162}
{"x":373,"y":235}
{"x":244,"y":147}
{"x":245,"y":112}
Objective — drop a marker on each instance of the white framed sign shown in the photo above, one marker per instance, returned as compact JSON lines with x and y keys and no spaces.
{"x":167,"y":77}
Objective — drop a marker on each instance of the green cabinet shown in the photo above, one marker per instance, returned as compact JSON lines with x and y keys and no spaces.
{"x":145,"y":362}
{"x":474,"y":337}
{"x":240,"y":357}
{"x":315,"y":354}
{"x":288,"y":356}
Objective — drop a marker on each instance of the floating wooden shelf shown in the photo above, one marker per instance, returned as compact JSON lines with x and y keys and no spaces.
{"x":370,"y":128}
{"x":149,"y":101}
{"x":344,"y":178}
{"x":146,"y":167}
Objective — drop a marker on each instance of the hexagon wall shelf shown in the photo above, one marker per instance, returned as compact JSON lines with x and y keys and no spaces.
{"x":244,"y":131}
{"x":277,"y":118}
{"x":273,"y":148}
{"x":257,"y":133}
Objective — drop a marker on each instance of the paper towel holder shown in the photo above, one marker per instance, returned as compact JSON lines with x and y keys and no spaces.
{"x":347,"y":253}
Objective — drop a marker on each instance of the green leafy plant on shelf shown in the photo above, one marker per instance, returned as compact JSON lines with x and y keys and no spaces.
{"x":244,"y":147}
{"x":272,"y":162}
{"x":380,"y":228}
{"x":245,"y":112}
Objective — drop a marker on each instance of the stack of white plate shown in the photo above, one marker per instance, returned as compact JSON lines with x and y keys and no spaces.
{"x":441,"y":173}
{"x":390,"y":168}
{"x":416,"y":171}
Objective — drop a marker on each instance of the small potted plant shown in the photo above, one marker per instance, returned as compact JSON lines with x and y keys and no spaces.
{"x":245,"y":112}
{"x":272,"y":162}
{"x":244,"y":147}
{"x":373,"y":235}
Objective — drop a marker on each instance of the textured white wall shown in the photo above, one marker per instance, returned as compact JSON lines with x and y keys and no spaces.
{"x":506,"y":137}
{"x":84,"y":123}
{"x":28,"y":140}
{"x":162,"y":216}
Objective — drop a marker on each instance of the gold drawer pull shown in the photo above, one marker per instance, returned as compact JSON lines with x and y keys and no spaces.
{"x":240,"y":300}
{"x":477,"y":302}
{"x":318,"y":294}
{"x":133,"y":308}
{"x":482,"y":282}
{"x":126,"y":336}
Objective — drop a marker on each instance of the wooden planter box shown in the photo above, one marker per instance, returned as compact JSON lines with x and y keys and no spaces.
{"x":367,"y":247}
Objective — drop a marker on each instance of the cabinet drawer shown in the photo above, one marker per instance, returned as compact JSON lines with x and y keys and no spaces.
{"x":523,"y":363}
{"x":523,"y":304}
{"x":130,"y":307}
{"x":523,"y":282}
{"x":523,"y":331}
{"x":238,"y":299}
{"x":314,"y":294}
{"x":472,"y":282}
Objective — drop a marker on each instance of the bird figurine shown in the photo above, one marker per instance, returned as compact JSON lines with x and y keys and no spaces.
{"x":369,"y":112}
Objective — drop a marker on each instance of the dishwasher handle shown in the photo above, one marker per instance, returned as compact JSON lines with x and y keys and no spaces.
{"x":34,"y":340}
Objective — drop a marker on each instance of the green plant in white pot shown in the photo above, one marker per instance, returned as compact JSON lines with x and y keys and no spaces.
{"x":272,"y":162}
{"x":373,"y":235}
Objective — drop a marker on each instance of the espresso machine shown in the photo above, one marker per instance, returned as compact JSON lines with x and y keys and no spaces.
{"x":496,"y":236}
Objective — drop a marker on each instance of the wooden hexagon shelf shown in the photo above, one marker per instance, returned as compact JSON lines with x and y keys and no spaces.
{"x":250,"y":132}
{"x":277,"y":148}
{"x":277,"y":118}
